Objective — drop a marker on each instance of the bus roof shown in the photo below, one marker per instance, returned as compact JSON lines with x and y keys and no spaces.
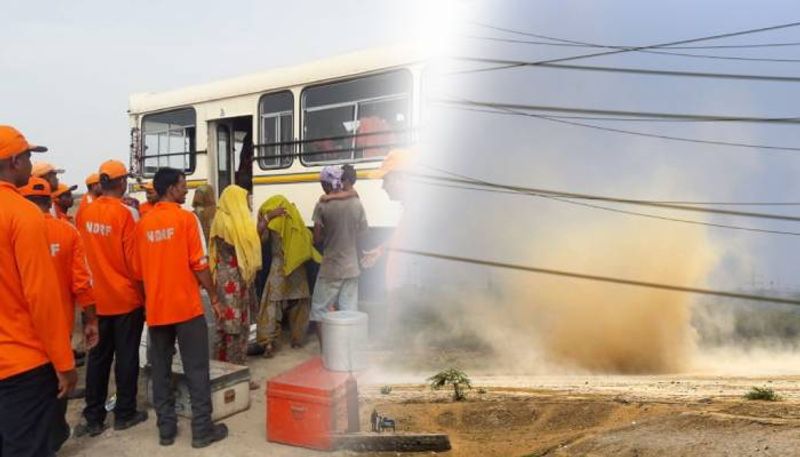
{"x":313,"y":72}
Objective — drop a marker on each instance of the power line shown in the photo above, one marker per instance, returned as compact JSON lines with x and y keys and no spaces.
{"x":607,"y":279}
{"x":582,"y":44}
{"x":623,"y":115}
{"x":455,"y":185}
{"x":506,"y":63}
{"x":651,"y":120}
{"x":563,"y":41}
{"x":462,"y":179}
{"x":554,"y":197}
{"x":548,"y":43}
{"x":638,"y":48}
{"x":508,"y":111}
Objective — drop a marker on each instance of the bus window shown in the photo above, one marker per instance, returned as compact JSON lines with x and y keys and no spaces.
{"x":169,"y":141}
{"x":277,"y":130}
{"x":355,"y":120}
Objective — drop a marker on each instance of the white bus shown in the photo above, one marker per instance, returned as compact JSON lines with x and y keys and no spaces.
{"x":288,"y":123}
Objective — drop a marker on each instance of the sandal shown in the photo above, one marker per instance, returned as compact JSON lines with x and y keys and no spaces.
{"x":269,"y":351}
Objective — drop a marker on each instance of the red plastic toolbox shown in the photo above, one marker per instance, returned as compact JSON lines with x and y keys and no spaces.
{"x":308,"y":403}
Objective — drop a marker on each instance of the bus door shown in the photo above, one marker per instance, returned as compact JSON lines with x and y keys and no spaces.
{"x":232,"y":139}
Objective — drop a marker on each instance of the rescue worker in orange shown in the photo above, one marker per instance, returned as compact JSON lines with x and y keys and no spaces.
{"x":74,"y":281}
{"x":108,"y":227}
{"x":152,"y":199}
{"x":36,"y":362}
{"x":172,"y":260}
{"x":92,"y":192}
{"x":48,"y":172}
{"x":63,"y":201}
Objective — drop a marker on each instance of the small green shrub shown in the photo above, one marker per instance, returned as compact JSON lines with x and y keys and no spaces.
{"x":453,"y":377}
{"x":762,"y":393}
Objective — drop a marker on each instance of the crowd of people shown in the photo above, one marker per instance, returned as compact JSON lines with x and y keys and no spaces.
{"x":123,"y":264}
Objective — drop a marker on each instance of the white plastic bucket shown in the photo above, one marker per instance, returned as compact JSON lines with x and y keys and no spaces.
{"x":344,"y":340}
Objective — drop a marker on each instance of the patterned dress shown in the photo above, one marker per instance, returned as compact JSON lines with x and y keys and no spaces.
{"x":235,"y":298}
{"x":283,"y":295}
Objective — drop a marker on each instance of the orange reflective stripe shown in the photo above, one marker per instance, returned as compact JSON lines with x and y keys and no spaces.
{"x":170,"y":250}
{"x":108,"y":228}
{"x":33,"y":325}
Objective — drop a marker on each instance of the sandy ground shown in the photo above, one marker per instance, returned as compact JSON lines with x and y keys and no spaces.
{"x":247,"y":429}
{"x":523,"y":415}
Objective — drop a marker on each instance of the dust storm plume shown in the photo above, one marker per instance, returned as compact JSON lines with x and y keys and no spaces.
{"x":614,"y":328}
{"x":533,"y":323}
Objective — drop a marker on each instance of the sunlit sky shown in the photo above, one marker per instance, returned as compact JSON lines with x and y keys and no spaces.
{"x":69,"y":67}
{"x":536,"y":153}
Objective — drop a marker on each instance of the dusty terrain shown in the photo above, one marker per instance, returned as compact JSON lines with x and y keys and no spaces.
{"x":534,"y":415}
{"x":611,"y":420}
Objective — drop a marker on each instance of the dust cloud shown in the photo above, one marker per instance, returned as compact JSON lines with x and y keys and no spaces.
{"x":533,"y":323}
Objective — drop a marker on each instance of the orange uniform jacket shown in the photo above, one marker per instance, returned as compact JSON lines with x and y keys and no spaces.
{"x":61,"y":215}
{"x":69,"y":257}
{"x":33,"y":327}
{"x":145,"y":208}
{"x":108,"y":228}
{"x":86,"y":200}
{"x":170,"y":248}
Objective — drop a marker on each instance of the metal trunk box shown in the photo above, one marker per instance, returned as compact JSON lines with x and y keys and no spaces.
{"x":308,"y":404}
{"x":230,"y":389}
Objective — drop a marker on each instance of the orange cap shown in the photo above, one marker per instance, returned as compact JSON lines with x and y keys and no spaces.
{"x":36,"y":187}
{"x":42,"y":168}
{"x":396,"y":160}
{"x":148,"y":186}
{"x":62,"y":189}
{"x":93,"y":178}
{"x":113,"y":169}
{"x":12,"y":143}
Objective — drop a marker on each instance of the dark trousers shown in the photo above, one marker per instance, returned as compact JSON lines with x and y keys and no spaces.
{"x":59,"y":430}
{"x":27,"y":407}
{"x":192,"y":338}
{"x":119,"y":338}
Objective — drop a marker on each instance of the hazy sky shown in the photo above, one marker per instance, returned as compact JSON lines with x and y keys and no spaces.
{"x":68,"y":67}
{"x":536,"y":153}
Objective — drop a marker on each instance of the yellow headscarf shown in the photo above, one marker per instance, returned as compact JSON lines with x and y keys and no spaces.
{"x":234,"y":224}
{"x":298,"y":245}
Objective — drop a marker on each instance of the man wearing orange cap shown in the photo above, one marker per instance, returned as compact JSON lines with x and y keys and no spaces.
{"x":63,"y":201}
{"x":152,"y":199}
{"x":93,"y":191}
{"x":74,"y":280}
{"x":36,"y":362}
{"x":48,"y":172}
{"x":108,"y":228}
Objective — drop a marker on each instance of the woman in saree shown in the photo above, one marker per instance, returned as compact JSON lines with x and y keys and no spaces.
{"x":235,"y":254}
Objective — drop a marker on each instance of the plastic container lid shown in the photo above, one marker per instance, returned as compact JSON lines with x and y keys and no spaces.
{"x":344,"y":318}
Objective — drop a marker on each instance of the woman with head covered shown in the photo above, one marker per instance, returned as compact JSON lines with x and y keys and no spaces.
{"x":286,"y":291}
{"x":235,"y":255}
